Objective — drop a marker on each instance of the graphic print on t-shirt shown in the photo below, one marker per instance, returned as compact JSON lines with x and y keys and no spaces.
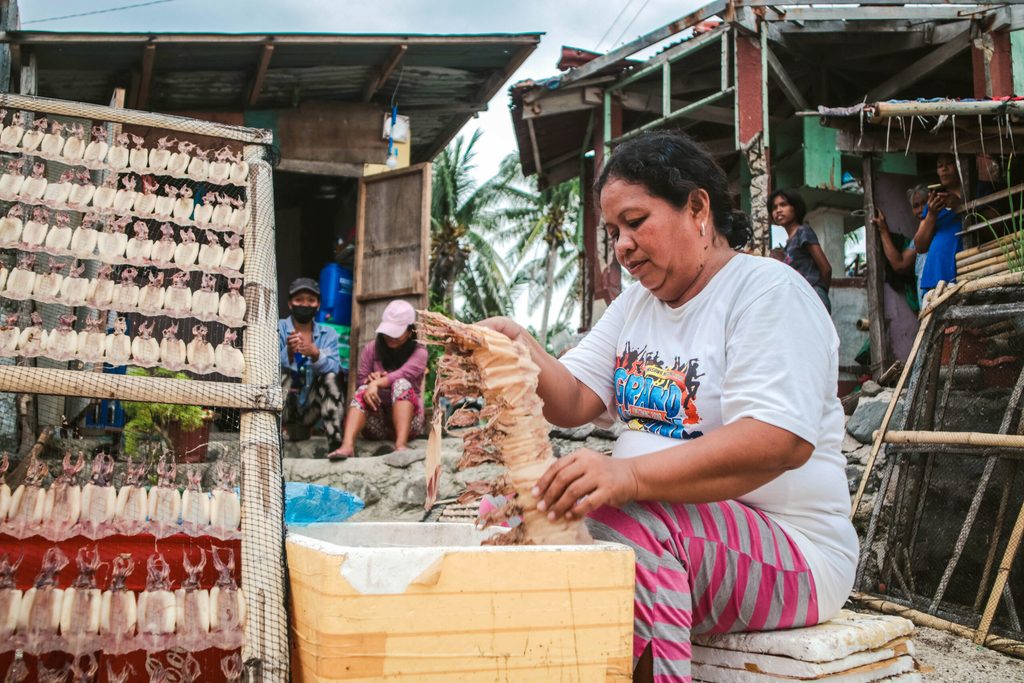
{"x":651,"y":397}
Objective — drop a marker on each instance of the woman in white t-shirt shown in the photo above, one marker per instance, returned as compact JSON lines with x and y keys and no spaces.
{"x":728,"y":482}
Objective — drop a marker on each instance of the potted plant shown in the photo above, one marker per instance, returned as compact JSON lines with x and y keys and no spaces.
{"x":183,"y":429}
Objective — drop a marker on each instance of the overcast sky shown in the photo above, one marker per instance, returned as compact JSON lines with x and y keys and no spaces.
{"x":577,"y":23}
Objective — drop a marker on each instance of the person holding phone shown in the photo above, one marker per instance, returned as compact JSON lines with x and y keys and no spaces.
{"x":937,"y":234}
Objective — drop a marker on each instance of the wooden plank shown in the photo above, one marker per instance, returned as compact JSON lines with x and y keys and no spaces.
{"x":146,"y":80}
{"x":646,"y":40}
{"x":874,"y":140}
{"x":652,"y":104}
{"x":329,"y":168}
{"x":382,"y":73}
{"x":879,"y":330}
{"x":334,"y":132}
{"x":534,"y":147}
{"x":373,"y":39}
{"x":55,"y":382}
{"x":29,"y":77}
{"x":392,"y":248}
{"x":788,"y":85}
{"x":137,"y":118}
{"x":922,"y":67}
{"x":266,"y":53}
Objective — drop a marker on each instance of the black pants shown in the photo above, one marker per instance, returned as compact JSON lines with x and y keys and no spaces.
{"x":324,"y":402}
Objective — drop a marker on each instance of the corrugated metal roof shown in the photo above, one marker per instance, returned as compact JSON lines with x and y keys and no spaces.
{"x":442,"y":80}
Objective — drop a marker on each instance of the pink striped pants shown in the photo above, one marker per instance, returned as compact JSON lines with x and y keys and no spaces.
{"x":707,"y":568}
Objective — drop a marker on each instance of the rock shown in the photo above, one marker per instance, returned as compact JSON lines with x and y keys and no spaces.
{"x":313,"y":447}
{"x":854,"y":472}
{"x":868,"y":416}
{"x":860,"y":455}
{"x":870,"y":388}
{"x":413,"y":495}
{"x":611,"y":432}
{"x":850,"y":444}
{"x":574,"y":434}
{"x":403,"y":459}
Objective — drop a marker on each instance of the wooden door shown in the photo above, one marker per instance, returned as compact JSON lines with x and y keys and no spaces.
{"x":392,"y":250}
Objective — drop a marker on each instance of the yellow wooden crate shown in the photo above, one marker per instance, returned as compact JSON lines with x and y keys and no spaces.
{"x":426,"y":602}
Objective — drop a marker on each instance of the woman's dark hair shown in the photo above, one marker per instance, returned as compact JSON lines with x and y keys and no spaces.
{"x":671,"y":165}
{"x":792,"y":198}
{"x":392,"y":359}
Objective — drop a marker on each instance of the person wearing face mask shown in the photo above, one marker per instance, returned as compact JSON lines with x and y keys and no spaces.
{"x":388,"y":405}
{"x":310,"y":367}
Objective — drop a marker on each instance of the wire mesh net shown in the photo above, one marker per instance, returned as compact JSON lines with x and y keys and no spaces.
{"x":139,"y":356}
{"x":947,"y":518}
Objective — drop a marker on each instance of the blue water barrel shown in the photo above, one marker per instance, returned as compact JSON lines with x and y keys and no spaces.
{"x":343,"y":307}
{"x":329,"y":275}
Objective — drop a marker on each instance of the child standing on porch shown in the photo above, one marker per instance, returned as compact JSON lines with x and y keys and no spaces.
{"x":802,"y":251}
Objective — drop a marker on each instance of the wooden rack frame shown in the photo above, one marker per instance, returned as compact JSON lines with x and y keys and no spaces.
{"x":926,"y":393}
{"x":258,"y":397}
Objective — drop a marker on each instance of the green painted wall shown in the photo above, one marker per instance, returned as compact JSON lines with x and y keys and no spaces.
{"x":822,"y":161}
{"x":898,"y":163}
{"x":1017,"y":60}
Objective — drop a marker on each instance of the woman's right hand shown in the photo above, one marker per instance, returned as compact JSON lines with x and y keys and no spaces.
{"x":506,"y":326}
{"x":936,"y":202}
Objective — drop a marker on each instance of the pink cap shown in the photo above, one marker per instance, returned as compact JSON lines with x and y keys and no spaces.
{"x":397,"y":317}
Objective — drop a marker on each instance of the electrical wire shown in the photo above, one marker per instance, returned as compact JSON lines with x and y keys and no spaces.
{"x":618,"y":16}
{"x":631,"y":21}
{"x":98,"y":11}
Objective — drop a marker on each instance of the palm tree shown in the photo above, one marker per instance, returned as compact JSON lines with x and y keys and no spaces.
{"x":544,"y":227}
{"x":463,"y":261}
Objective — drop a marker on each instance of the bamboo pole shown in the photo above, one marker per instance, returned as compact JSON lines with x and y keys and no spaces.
{"x":890,"y":409}
{"x":957,"y":438}
{"x":1009,"y":554}
{"x":138,"y":118}
{"x":998,"y":258}
{"x":1004,"y":645}
{"x":991,"y":244}
{"x":979,"y":493}
{"x":987,"y":282}
{"x":997,"y":250}
{"x":986,"y":272}
{"x":56,"y":382}
{"x":990,"y":558}
{"x":263,"y":576}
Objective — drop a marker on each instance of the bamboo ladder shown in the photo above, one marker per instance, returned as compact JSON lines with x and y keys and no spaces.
{"x":919,"y":382}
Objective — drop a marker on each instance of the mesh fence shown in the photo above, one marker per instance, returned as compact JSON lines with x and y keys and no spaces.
{"x":947,"y":518}
{"x":139,"y":356}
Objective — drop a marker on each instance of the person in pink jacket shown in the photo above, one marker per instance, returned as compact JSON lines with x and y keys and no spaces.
{"x":388,"y":405}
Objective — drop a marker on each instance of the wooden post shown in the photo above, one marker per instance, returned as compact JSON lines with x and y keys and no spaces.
{"x":881,"y":355}
{"x":263,"y":578}
{"x":752,"y":131}
{"x":607,"y":273}
{"x":590,"y":228}
{"x":991,"y":63}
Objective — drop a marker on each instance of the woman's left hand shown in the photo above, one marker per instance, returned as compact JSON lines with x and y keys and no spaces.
{"x":583,"y":481}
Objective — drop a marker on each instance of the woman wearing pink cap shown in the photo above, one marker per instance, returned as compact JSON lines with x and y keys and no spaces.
{"x":388,"y":404}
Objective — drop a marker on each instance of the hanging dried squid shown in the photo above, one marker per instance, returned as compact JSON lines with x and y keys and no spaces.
{"x":479,"y":361}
